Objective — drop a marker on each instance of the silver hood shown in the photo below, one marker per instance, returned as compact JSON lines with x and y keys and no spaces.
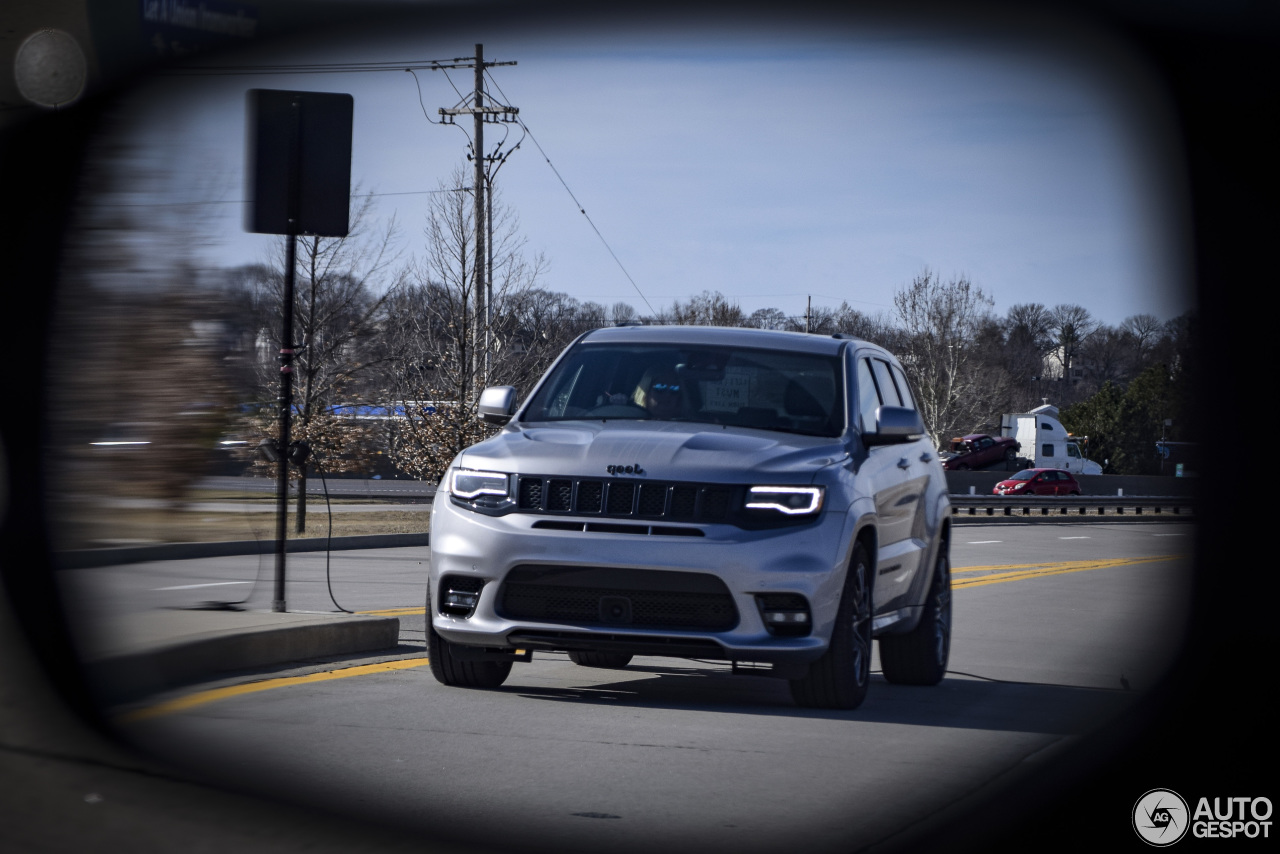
{"x":663,"y":451}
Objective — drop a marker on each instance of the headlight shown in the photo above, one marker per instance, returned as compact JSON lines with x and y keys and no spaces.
{"x":791,"y":500}
{"x":469,"y":485}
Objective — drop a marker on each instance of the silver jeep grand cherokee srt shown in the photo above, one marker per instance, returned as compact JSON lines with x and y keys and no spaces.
{"x":763,"y":498}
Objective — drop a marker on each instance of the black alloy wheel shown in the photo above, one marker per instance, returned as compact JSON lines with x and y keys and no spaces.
{"x":840,"y":678}
{"x":451,"y":670}
{"x":920,"y":656}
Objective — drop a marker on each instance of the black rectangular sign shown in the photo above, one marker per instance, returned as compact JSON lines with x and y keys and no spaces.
{"x":298,"y":162}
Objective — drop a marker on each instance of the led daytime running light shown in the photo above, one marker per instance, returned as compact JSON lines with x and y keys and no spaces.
{"x":758,"y":499}
{"x":479,"y":483}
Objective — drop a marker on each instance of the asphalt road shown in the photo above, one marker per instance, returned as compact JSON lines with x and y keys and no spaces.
{"x":671,"y":754}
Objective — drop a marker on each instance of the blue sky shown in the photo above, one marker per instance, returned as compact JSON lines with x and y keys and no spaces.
{"x":770,"y":165}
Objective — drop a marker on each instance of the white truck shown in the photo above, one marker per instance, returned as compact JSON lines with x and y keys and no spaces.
{"x":1045,"y":441}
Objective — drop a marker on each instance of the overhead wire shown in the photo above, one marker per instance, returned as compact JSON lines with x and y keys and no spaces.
{"x":243,"y":201}
{"x":317,"y":68}
{"x":581,"y":209}
{"x":418,"y":83}
{"x":411,"y":67}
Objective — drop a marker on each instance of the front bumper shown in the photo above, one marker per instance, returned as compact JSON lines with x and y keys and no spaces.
{"x":808,"y":561}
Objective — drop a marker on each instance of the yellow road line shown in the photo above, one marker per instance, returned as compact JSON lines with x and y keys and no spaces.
{"x":190,"y":701}
{"x":1018,"y":572}
{"x":990,"y":575}
{"x":396,"y":612}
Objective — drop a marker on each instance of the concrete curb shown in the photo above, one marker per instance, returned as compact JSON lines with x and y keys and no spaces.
{"x":244,"y":641}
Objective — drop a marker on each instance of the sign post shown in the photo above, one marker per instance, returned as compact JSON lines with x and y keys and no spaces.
{"x":298,"y":176}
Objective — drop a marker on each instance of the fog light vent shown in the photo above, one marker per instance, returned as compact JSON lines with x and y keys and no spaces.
{"x":459,"y":595}
{"x":785,"y":614}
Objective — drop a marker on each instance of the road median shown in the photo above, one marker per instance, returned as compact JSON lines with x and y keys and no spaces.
{"x":161,"y":650}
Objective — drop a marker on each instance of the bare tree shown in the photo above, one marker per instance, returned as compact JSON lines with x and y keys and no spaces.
{"x":1027,"y":341}
{"x":1143,"y":333}
{"x":709,"y":308}
{"x":342,"y":286}
{"x":622,"y":312}
{"x":823,"y":320}
{"x":1070,"y":325}
{"x":819,"y":320}
{"x":767,"y":318}
{"x":939,"y":322}
{"x":1029,"y":336}
{"x":434,"y":331}
{"x":1109,"y":356}
{"x":1145,"y":329}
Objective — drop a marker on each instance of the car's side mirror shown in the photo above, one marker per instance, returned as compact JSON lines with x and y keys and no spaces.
{"x":497,"y":404}
{"x":894,"y":425}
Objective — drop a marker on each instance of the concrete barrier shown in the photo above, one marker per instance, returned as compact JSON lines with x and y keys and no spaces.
{"x":1062,"y":508}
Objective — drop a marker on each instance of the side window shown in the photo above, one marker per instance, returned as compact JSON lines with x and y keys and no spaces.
{"x":884,"y":381}
{"x":1046,"y":450}
{"x":904,"y":390}
{"x":1073,"y":451}
{"x":868,"y":396}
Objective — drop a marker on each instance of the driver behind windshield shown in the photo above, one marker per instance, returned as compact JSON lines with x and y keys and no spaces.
{"x":660,"y":394}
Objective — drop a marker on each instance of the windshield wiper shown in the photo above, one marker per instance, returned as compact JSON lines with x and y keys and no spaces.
{"x":799,"y":431}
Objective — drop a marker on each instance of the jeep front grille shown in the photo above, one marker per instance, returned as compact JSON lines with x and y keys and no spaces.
{"x":678,"y":502}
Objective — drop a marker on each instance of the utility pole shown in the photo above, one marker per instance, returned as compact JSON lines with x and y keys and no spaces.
{"x":481,"y":112}
{"x":482,"y":283}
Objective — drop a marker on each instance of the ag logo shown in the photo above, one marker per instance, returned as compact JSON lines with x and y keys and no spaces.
{"x":1161,"y":817}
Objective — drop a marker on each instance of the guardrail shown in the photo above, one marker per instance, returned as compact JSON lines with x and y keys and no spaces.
{"x":1091,"y":508}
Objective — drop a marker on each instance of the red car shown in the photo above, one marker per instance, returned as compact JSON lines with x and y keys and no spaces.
{"x":1039,"y":482}
{"x":978,"y":450}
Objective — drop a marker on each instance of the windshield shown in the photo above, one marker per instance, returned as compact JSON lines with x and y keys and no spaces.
{"x":1025,"y":474}
{"x":762,"y":389}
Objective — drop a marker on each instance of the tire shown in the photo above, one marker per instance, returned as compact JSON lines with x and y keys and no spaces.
{"x":920,"y":656}
{"x":839,"y":680}
{"x":449,"y":670}
{"x":608,"y":660}
{"x":1010,"y":454}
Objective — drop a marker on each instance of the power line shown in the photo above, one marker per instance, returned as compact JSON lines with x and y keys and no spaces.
{"x":578,"y":204}
{"x":245,"y":201}
{"x":318,"y":68}
{"x":383,"y":66}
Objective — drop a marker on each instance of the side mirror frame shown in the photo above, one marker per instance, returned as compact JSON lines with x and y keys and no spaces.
{"x":894,"y":426}
{"x":497,"y":404}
